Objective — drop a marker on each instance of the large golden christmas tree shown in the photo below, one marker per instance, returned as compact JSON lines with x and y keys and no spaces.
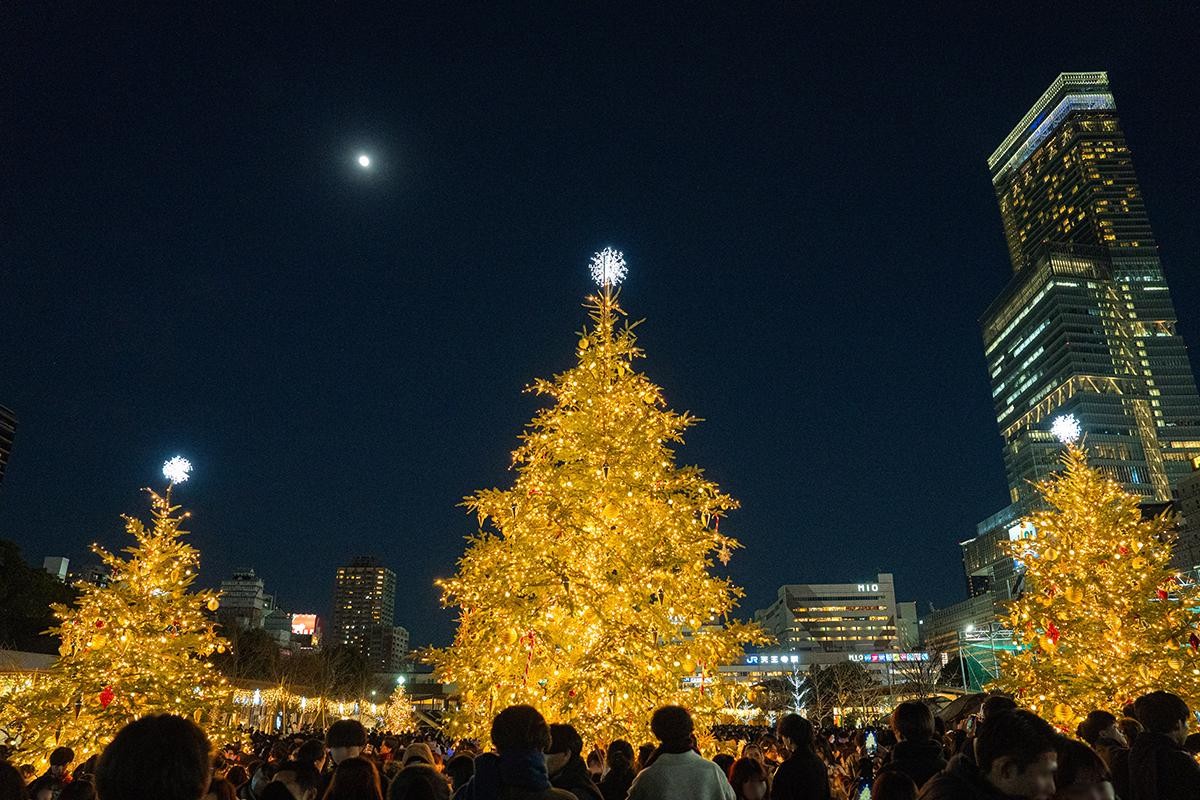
{"x":587,"y":591}
{"x":138,"y":646}
{"x":1103,"y":617}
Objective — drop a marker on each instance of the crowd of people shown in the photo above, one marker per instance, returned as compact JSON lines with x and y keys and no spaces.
{"x":1002,"y":753}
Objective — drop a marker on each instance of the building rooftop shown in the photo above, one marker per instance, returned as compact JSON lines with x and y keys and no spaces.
{"x":1070,"y":91}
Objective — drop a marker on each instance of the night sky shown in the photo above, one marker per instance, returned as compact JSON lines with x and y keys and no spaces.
{"x":192,"y":262}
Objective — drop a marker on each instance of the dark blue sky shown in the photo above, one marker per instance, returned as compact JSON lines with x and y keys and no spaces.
{"x":193,"y":264}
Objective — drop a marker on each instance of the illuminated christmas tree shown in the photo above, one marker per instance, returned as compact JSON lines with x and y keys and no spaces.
{"x":399,"y":716}
{"x":138,"y":646}
{"x":587,"y":591}
{"x":1103,"y":618}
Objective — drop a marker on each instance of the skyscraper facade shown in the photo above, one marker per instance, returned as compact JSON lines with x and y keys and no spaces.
{"x":364,"y":608}
{"x":8,"y":429}
{"x":1086,"y":325}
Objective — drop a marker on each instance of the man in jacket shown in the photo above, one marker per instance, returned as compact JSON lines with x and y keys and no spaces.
{"x":802,"y":775}
{"x":564,"y":761}
{"x":1099,"y":729}
{"x":1159,"y":767}
{"x":917,"y":754}
{"x":1015,"y":757}
{"x":518,"y":767}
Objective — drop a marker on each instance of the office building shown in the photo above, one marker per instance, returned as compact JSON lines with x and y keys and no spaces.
{"x":57,"y":566}
{"x":96,"y":574}
{"x":364,"y":604}
{"x":1086,"y":325}
{"x":8,"y":430}
{"x":243,"y":602}
{"x":834,"y":617}
{"x":1187,"y":503}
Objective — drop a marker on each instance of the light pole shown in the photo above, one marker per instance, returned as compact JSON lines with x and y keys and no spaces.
{"x":962,"y":661}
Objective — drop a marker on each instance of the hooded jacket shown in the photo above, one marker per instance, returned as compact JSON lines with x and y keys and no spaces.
{"x":575,"y":778}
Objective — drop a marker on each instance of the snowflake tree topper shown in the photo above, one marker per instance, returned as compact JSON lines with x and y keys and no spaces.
{"x":608,"y":267}
{"x":1066,"y":428}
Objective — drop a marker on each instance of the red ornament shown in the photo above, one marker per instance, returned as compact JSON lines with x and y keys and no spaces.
{"x":107,"y":695}
{"x":1123,"y":550}
{"x":1162,"y":594}
{"x":1052,"y":633}
{"x":99,"y":623}
{"x":1194,"y":641}
{"x":571,"y":693}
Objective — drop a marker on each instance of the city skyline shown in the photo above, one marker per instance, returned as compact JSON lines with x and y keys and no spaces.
{"x":341,"y":353}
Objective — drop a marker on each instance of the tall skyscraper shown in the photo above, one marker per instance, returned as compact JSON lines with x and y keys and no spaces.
{"x":243,"y":603}
{"x":364,"y":608}
{"x":1086,"y":325}
{"x":8,"y":429}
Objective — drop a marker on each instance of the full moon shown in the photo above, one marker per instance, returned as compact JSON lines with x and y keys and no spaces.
{"x":364,"y":160}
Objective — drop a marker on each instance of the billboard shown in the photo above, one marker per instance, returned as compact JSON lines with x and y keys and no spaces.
{"x":304,"y":624}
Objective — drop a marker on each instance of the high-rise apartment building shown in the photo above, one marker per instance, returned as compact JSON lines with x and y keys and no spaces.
{"x":1086,"y":325}
{"x":364,"y":607}
{"x":8,"y":430}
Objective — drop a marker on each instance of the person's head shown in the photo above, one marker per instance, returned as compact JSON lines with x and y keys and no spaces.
{"x":894,"y":785}
{"x":1129,"y":728}
{"x":912,"y":722}
{"x":620,"y":754}
{"x":161,"y":757}
{"x":345,"y":738}
{"x":60,"y":760}
{"x":459,"y":770}
{"x":725,"y":762}
{"x":12,"y":782}
{"x":389,"y":745}
{"x":237,"y":776}
{"x":749,"y":779}
{"x":995,"y":704}
{"x":1016,"y":753}
{"x":1081,"y":774}
{"x":417,"y":753}
{"x":751,"y":750}
{"x":565,"y":744}
{"x":796,"y":732}
{"x":520,"y":728}
{"x":312,"y":752}
{"x":28,"y":772}
{"x":302,"y":779}
{"x":355,"y":779}
{"x":673,"y":727}
{"x":595,"y":763}
{"x":1099,"y":724}
{"x":645,"y":753}
{"x":1192,"y":743}
{"x":279,"y":753}
{"x":1163,"y":712}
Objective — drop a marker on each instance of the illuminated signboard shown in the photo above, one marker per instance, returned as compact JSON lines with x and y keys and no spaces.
{"x":878,"y":658}
{"x":304,"y":624}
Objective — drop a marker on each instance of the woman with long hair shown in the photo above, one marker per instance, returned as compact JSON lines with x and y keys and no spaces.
{"x":748,"y":777}
{"x":355,"y":779}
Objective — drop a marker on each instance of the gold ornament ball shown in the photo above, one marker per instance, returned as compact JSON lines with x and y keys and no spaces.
{"x":611,"y":512}
{"x":1062,"y":712}
{"x":510,"y":637}
{"x":1074,"y":594}
{"x":214,"y":604}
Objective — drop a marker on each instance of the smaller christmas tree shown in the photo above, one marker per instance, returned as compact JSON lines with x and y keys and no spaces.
{"x":399,"y":716}
{"x":1103,"y":618}
{"x":138,"y":646}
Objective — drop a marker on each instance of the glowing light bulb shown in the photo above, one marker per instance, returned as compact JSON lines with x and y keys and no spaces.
{"x":364,"y":160}
{"x":608,"y":267}
{"x":1066,"y":428}
{"x":176,"y":469}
